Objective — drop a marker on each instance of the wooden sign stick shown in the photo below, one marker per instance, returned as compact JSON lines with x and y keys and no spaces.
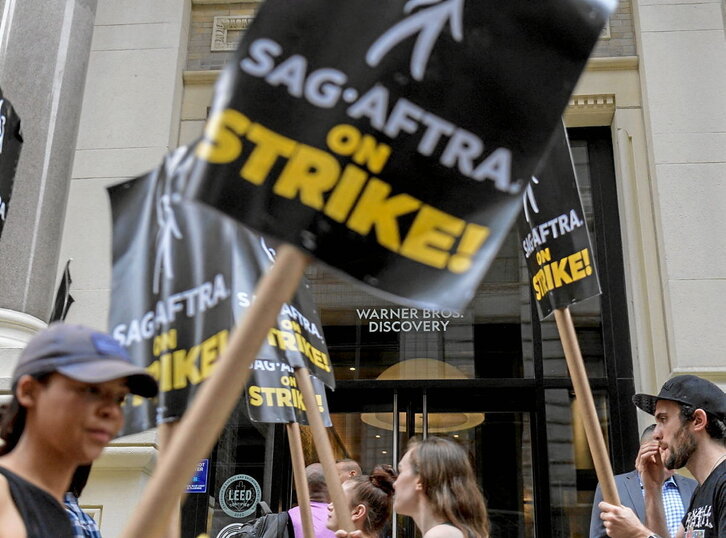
{"x":205,"y":418}
{"x":586,"y":405}
{"x":325,"y":451}
{"x":301,"y":482}
{"x":165,"y":432}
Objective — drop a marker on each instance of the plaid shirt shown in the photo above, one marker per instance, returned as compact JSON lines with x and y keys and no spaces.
{"x":672,"y":504}
{"x":84,"y":526}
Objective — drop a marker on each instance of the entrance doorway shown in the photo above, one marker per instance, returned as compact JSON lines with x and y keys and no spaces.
{"x":497,"y":431}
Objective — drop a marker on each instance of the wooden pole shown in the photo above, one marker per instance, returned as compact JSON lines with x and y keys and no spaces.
{"x":301,"y":482}
{"x":205,"y":418}
{"x":586,"y":405}
{"x":166,"y":432}
{"x":325,"y":451}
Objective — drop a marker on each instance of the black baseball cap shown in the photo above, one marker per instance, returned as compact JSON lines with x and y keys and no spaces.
{"x":690,"y":390}
{"x":85,"y":355}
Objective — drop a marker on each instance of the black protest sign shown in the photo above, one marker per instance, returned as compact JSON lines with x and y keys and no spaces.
{"x":273,"y":395}
{"x":63,"y":297}
{"x":555,"y":241}
{"x":11,"y":141}
{"x":392,"y":140}
{"x":183,"y":276}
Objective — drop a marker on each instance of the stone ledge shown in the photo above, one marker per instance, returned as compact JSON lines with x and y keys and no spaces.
{"x":137,"y":457}
{"x":612,"y":63}
{"x":590,"y":110}
{"x":716,"y":374}
{"x":17,"y":328}
{"x":200,"y":78}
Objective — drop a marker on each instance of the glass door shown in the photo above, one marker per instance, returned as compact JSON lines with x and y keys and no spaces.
{"x":497,"y":437}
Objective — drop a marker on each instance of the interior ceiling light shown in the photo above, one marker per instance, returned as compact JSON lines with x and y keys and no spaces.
{"x":438,"y":422}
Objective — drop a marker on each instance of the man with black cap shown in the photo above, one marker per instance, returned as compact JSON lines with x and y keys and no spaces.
{"x":677,"y":491}
{"x":68,"y":387}
{"x":690,"y":432}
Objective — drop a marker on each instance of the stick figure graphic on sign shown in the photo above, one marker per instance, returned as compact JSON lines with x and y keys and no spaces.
{"x":168,"y":230}
{"x":428,"y":23}
{"x":269,"y":251}
{"x":2,"y":125}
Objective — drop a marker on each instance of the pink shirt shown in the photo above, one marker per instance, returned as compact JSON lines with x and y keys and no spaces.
{"x":320,"y":518}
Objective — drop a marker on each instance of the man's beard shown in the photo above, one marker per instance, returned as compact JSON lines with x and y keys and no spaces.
{"x":679,"y":454}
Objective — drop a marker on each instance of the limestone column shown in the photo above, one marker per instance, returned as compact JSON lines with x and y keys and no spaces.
{"x":44,"y":49}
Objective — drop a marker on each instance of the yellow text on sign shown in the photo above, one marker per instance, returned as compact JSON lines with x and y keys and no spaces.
{"x":280,"y":396}
{"x":179,"y":368}
{"x":561,"y":272}
{"x":364,"y":203}
{"x":289,"y":337}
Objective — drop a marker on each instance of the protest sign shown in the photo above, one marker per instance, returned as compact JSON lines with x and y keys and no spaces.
{"x":392,"y":140}
{"x":63,"y":297}
{"x":560,"y":260}
{"x":11,"y":141}
{"x":273,"y":395}
{"x":555,"y":241}
{"x":183,"y":275}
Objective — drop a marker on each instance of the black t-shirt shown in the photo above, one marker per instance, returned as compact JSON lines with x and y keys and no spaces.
{"x":42,"y":514}
{"x":706,"y":515}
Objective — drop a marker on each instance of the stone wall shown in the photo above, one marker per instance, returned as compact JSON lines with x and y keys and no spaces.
{"x":683,"y":73}
{"x":619,"y":36}
{"x":618,"y":39}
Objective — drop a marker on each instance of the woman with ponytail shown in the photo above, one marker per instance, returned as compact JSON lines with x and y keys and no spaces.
{"x":370,"y":500}
{"x":436,"y":487}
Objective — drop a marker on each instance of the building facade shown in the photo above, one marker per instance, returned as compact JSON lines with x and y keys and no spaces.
{"x":106,"y":88}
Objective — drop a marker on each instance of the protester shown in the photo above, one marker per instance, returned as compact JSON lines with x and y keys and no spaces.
{"x":677,"y":491}
{"x":347,"y":469}
{"x":68,"y":387}
{"x":370,"y":499}
{"x":690,"y":431}
{"x":83,"y":525}
{"x":437,"y":488}
{"x":319,"y":499}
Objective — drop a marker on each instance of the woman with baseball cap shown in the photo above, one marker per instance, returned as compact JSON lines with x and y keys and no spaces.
{"x":68,"y":387}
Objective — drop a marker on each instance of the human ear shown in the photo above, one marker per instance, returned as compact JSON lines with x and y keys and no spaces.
{"x":699,"y":420}
{"x":359,"y":512}
{"x":26,"y":390}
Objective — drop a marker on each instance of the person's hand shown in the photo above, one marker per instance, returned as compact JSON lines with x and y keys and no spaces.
{"x":621,"y":522}
{"x":345,"y":534}
{"x":650,"y":465}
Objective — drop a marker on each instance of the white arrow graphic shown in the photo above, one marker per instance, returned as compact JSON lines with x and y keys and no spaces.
{"x":2,"y":125}
{"x":428,"y":23}
{"x":529,"y":200}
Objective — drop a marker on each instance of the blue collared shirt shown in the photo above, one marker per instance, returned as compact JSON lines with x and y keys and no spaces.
{"x":84,"y":526}
{"x":672,"y":504}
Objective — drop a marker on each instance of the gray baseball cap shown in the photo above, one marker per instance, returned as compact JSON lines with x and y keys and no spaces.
{"x":85,"y":355}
